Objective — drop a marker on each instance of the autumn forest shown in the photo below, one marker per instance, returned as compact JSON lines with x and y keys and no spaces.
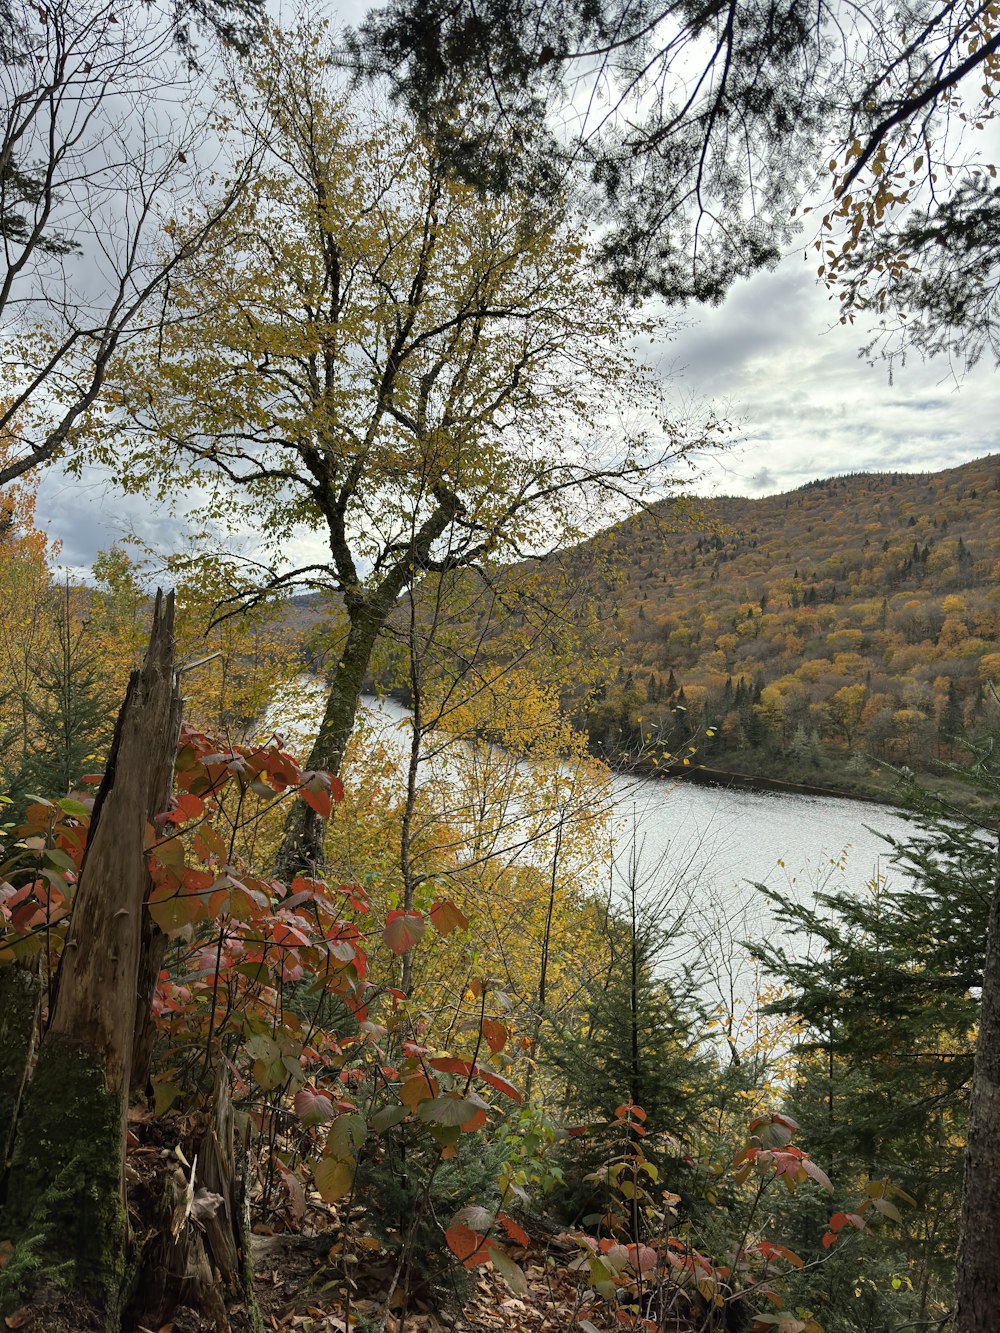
{"x":311,"y":1022}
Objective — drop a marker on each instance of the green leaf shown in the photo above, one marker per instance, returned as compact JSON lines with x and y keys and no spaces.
{"x":387,"y":1118}
{"x":75,"y":809}
{"x":509,"y":1271}
{"x":347,"y":1134}
{"x":57,"y":857}
{"x":164,"y":1096}
{"x":447,"y":1110}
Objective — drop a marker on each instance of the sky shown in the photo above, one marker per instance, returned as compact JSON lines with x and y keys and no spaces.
{"x":810,"y":406}
{"x":772,"y":358}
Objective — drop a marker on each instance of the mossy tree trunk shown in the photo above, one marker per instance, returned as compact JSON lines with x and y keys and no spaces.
{"x":65,"y":1201}
{"x":20,"y":997}
{"x":977,"y":1288}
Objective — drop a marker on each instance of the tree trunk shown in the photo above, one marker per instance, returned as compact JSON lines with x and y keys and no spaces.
{"x":153,"y":944}
{"x":302,"y":845}
{"x":198,"y":1257}
{"x":20,"y":999}
{"x":65,"y":1207}
{"x":977,"y":1286}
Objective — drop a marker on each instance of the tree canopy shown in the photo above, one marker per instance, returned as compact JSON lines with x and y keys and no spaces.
{"x":700,"y":128}
{"x":426,"y":376}
{"x":101,"y":135}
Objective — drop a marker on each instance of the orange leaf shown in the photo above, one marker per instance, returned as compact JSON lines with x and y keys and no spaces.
{"x":417,"y":1089}
{"x":496,"y":1034}
{"x":501,"y":1084}
{"x":467,"y":1245}
{"x":451,"y":1064}
{"x":446,"y":917}
{"x":515,"y":1232}
{"x":318,"y":800}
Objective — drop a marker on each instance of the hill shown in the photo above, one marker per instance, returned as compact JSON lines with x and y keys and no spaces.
{"x":804,"y":636}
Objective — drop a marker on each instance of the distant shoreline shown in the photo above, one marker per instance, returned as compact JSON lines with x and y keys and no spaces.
{"x":702,"y":776}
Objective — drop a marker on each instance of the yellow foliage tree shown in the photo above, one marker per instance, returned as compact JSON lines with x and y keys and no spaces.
{"x":425,"y":377}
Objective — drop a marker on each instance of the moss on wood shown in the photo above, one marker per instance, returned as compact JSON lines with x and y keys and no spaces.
{"x":64,"y":1210}
{"x":20,"y":992}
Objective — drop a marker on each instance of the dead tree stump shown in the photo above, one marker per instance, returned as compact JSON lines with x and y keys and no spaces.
{"x":74,"y":1263}
{"x":65,"y":1209}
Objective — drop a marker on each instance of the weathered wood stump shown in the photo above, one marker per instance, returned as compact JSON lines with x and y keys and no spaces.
{"x":196,"y":1265}
{"x":74,"y":1263}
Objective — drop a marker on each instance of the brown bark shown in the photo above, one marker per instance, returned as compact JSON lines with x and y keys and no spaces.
{"x":977,"y":1285}
{"x":98,"y":976}
{"x":65,"y":1207}
{"x":199,"y":1257}
{"x":153,"y":944}
{"x":66,"y":1190}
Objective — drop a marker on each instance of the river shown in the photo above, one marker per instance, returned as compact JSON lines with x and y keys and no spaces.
{"x":696,"y":853}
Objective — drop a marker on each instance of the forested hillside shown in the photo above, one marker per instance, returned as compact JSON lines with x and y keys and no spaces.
{"x":806,"y":635}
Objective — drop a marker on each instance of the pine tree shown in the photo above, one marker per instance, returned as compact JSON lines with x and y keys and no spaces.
{"x":891,"y":1004}
{"x":71,"y":715}
{"x":641,"y":1041}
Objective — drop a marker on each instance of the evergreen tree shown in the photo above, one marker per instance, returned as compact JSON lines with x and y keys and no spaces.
{"x":951,"y":720}
{"x":71,"y":713}
{"x":641,"y":1041}
{"x":891,"y":1001}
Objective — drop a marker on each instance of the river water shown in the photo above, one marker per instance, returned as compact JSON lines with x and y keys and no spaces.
{"x":695,"y":855}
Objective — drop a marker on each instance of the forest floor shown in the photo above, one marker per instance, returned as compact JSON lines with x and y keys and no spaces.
{"x":322,"y":1284}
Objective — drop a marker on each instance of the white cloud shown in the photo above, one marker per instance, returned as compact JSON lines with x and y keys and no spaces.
{"x":810,"y":406}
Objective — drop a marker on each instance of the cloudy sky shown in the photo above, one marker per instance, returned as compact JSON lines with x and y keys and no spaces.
{"x":810,"y":407}
{"x":772,"y":357}
{"x":806,"y":404}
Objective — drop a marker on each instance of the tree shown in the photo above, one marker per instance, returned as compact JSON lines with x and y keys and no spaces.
{"x":102,"y":136}
{"x":889,"y":996}
{"x":698,"y":129}
{"x":367,"y":350}
{"x":25,"y":635}
{"x":71,"y":719}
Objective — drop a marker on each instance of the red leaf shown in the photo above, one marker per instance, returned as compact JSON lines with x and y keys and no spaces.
{"x":313,"y":1107}
{"x":515,"y":1232}
{"x":446,"y":917}
{"x":642,"y":1258}
{"x":451,"y":1064}
{"x":318,"y":800}
{"x":501,"y":1084}
{"x":496,"y":1034}
{"x":190,"y":806}
{"x":467,"y":1245}
{"x":403,"y":930}
{"x":197,"y":880}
